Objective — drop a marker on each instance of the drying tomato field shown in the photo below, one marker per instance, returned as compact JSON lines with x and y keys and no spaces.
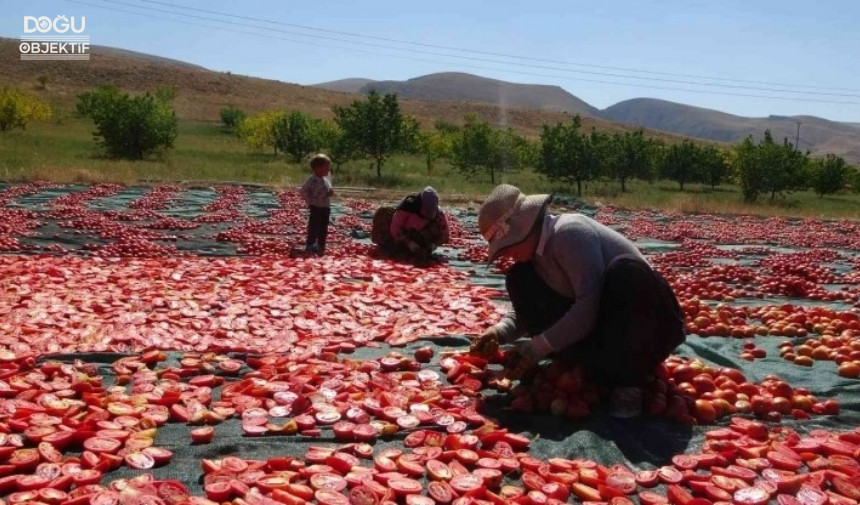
{"x":175,"y":345}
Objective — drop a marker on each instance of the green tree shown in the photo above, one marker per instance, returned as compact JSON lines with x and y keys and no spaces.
{"x":334,"y":143}
{"x":632,"y":157}
{"x":768,"y":167}
{"x":681,"y":163}
{"x":258,"y":131}
{"x":435,"y":145}
{"x":854,"y":179}
{"x":715,"y":167}
{"x":18,"y":108}
{"x":97,"y":100}
{"x":749,"y":167}
{"x":567,"y":155}
{"x":297,"y":134}
{"x":131,"y":127}
{"x":829,"y":175}
{"x":510,"y":151}
{"x":231,"y":117}
{"x":602,"y":153}
{"x":472,"y":149}
{"x":786,"y":167}
{"x":376,"y":127}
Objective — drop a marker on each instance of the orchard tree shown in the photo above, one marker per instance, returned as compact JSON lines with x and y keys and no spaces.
{"x":632,"y":157}
{"x":18,"y":108}
{"x":786,"y":167}
{"x":829,"y":175}
{"x":297,"y":134}
{"x":715,"y":167}
{"x":131,"y":127}
{"x":472,"y":149}
{"x":90,"y":101}
{"x":334,"y":143}
{"x":768,"y":167}
{"x":231,"y":118}
{"x":749,"y":167}
{"x":567,"y":155}
{"x":435,"y":145}
{"x":854,"y":179}
{"x":258,"y":131}
{"x":681,"y":163}
{"x":510,"y":151}
{"x":376,"y":127}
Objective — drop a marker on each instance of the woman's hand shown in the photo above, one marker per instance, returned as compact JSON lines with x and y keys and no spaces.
{"x":519,"y":362}
{"x":487,"y":345}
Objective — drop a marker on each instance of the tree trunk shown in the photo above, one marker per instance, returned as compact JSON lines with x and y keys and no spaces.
{"x":579,"y":187}
{"x":623,"y":185}
{"x":492,"y":176}
{"x":681,"y":183}
{"x":379,"y":169}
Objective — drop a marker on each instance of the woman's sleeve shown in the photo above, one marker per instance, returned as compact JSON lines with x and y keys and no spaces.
{"x":580,"y":256}
{"x":397,"y":222}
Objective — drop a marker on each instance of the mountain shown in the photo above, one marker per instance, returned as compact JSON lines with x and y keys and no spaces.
{"x":344,"y":85}
{"x":201,"y":92}
{"x":817,"y":135}
{"x":461,"y":87}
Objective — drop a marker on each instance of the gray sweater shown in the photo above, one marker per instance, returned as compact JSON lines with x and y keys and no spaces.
{"x":316,"y":191}
{"x":573,"y":253}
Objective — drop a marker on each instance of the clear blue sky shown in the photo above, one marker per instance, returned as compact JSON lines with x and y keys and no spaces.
{"x":800,"y":46}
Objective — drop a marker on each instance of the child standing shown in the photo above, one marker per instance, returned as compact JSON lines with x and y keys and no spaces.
{"x":317,"y":191}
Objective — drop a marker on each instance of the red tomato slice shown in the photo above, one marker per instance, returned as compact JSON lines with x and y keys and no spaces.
{"x":102,"y":444}
{"x":751,"y":496}
{"x":678,"y":495}
{"x":783,"y":462}
{"x":172,"y":491}
{"x":684,"y":462}
{"x":647,"y":478}
{"x":669,"y":475}
{"x":329,"y":497}
{"x":160,"y":455}
{"x":139,"y":460}
{"x":404,"y":486}
{"x":327,"y":481}
{"x":361,"y":495}
{"x":808,"y":495}
{"x":440,"y":491}
{"x":417,"y":499}
{"x":624,"y":482}
{"x":650,"y":498}
{"x":219,"y":491}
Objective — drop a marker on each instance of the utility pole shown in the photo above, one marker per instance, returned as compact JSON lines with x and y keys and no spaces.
{"x":797,"y":138}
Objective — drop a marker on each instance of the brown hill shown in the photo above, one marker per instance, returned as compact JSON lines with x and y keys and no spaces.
{"x":202,"y":93}
{"x":817,"y":135}
{"x":461,"y":87}
{"x":353,"y":85}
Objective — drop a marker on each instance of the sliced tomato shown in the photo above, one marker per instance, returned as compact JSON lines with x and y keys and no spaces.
{"x":647,"y":478}
{"x":404,"y":486}
{"x":623,"y":481}
{"x":669,"y":475}
{"x":441,"y":492}
{"x":139,"y":460}
{"x":650,"y":498}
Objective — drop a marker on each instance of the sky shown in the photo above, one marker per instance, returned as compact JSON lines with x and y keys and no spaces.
{"x":749,"y":58}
